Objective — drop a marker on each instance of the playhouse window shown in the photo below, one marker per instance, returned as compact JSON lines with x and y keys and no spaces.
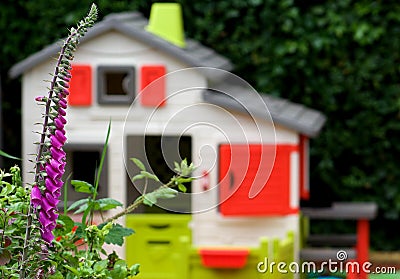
{"x":116,"y":84}
{"x":158,"y":153}
{"x":82,"y":164}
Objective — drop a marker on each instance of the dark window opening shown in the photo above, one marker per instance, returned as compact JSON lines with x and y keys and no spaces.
{"x":82,"y":164}
{"x":116,"y":84}
{"x":158,"y":153}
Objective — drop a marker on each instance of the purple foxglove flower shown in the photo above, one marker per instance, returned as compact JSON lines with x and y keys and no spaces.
{"x":61,"y":111}
{"x":56,"y":165}
{"x":47,"y":236}
{"x":57,"y":193}
{"x":60,"y":136}
{"x":45,"y":195}
{"x":63,"y":84}
{"x":58,"y":123}
{"x":36,"y":196}
{"x":53,"y":215}
{"x":52,"y":173}
{"x":64,"y":78}
{"x":57,"y":154}
{"x":64,"y":93}
{"x":52,"y":226}
{"x":62,"y":103}
{"x":62,"y":119}
{"x":40,"y":99}
{"x":62,"y":167}
{"x":51,"y":199}
{"x":55,"y":142}
{"x":44,"y":219}
{"x":53,"y":185}
{"x":46,"y":206}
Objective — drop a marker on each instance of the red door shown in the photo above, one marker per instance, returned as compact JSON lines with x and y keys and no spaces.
{"x":255,"y":168}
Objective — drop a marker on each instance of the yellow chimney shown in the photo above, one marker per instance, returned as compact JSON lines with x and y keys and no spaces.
{"x":166,"y":22}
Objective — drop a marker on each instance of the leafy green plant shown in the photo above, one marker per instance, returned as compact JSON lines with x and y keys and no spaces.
{"x":78,"y":249}
{"x":14,"y":201}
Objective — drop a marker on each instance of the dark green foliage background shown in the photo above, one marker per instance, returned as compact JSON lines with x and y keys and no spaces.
{"x":341,"y":57}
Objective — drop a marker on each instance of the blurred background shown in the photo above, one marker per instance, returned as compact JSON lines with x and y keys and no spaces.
{"x":341,"y":57}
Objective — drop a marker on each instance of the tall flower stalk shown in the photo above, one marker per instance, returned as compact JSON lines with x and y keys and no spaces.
{"x":50,"y":158}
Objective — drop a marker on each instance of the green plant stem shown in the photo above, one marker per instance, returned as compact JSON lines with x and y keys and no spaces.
{"x":127,"y":210}
{"x":134,"y":205}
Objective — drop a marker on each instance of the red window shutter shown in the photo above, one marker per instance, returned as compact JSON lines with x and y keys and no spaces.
{"x":246,"y":166}
{"x":304,"y":168}
{"x":153,"y":93}
{"x":80,"y":87}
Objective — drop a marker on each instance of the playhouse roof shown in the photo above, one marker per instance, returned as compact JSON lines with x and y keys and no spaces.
{"x":295,"y":116}
{"x":132,"y":24}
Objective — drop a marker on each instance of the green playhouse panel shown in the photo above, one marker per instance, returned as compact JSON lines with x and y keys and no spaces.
{"x":160,"y":244}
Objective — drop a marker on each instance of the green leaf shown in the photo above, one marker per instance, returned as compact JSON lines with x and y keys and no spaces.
{"x":86,"y":210}
{"x":161,"y":193}
{"x":106,"y":204}
{"x":82,"y":186}
{"x":135,"y":269}
{"x":138,"y":163}
{"x":116,"y":234}
{"x":182,"y":188}
{"x":149,"y":200}
{"x":79,"y":232}
{"x":149,"y":175}
{"x":185,"y":179}
{"x":57,"y":275}
{"x":73,"y":270}
{"x":5,"y":191}
{"x":177,"y":167}
{"x":66,"y":193}
{"x":120,"y":271}
{"x":100,"y":266}
{"x":66,"y":222}
{"x":4,"y":154}
{"x":137,"y":177}
{"x":83,"y":208}
{"x":185,"y":169}
{"x":78,"y":203}
{"x":103,"y":156}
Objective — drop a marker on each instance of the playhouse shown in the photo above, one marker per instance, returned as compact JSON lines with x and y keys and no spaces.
{"x":170,"y":98}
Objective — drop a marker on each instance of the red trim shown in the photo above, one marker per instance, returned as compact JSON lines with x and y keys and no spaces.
{"x":152,"y":86}
{"x":351,"y":274}
{"x":80,"y":86}
{"x":224,"y":258}
{"x":362,"y":245}
{"x":304,"y":168}
{"x":205,"y":180}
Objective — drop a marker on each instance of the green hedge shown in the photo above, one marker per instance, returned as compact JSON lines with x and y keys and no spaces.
{"x":341,"y":57}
